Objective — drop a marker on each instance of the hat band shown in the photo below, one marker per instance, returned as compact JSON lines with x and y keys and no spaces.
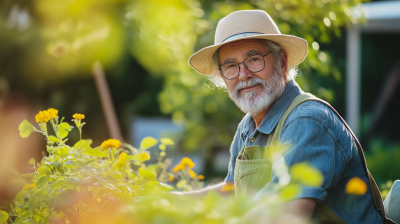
{"x":240,"y":35}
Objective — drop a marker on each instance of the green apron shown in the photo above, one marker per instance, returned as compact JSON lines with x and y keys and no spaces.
{"x":253,"y":169}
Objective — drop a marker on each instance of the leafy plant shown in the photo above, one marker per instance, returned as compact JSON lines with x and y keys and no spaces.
{"x":73,"y":181}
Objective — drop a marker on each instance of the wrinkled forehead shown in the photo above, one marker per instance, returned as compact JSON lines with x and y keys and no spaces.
{"x":238,"y":50}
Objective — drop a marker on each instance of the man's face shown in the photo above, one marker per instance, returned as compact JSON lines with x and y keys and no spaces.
{"x":252,"y":92}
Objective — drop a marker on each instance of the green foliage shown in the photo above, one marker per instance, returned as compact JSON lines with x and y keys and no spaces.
{"x":148,"y":142}
{"x":3,"y":216}
{"x":169,"y":35}
{"x":80,"y":184}
{"x":25,"y":129}
{"x":73,"y":181}
{"x":383,"y":161}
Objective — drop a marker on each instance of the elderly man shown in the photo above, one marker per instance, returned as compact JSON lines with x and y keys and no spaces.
{"x":257,"y":64}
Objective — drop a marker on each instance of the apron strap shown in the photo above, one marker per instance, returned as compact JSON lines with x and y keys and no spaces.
{"x":275,"y":136}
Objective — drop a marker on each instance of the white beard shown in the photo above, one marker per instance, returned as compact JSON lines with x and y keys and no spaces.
{"x":249,"y":102}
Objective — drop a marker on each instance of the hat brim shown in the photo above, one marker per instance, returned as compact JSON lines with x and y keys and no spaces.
{"x":296,"y":49}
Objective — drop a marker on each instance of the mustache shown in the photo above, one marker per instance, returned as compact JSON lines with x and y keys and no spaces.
{"x":250,"y":83}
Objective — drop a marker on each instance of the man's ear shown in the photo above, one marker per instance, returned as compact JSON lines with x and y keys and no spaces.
{"x":284,"y":65}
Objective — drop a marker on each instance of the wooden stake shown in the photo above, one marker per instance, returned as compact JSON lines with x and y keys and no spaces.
{"x":106,"y":101}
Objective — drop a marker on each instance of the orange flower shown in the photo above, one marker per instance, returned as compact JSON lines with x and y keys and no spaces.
{"x":356,"y":186}
{"x":78,"y":116}
{"x":171,"y":178}
{"x":200,"y":177}
{"x":112,"y":143}
{"x":192,"y":173}
{"x":228,"y":187}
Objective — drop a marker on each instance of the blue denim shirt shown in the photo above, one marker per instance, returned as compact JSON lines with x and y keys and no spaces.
{"x":318,"y":137}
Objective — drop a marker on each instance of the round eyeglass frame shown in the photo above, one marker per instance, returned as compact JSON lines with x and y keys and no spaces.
{"x":244,"y":65}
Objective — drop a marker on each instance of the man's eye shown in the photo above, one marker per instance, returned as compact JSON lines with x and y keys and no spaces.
{"x":230,"y":66}
{"x":255,"y":59}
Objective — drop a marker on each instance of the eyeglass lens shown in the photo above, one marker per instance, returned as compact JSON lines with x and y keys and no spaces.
{"x":254,"y":64}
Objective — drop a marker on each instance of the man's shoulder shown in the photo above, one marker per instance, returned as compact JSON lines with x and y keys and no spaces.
{"x":321,"y":114}
{"x":314,"y":110}
{"x":314,"y":117}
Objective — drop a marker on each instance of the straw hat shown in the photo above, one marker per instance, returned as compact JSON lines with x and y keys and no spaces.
{"x":248,"y":24}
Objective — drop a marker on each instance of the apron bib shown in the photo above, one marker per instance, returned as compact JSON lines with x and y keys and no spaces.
{"x":253,"y":169}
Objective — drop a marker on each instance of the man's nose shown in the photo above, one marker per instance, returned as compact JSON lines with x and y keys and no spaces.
{"x":244,"y":73}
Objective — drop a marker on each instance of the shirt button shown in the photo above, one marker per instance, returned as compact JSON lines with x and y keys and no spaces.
{"x":252,"y":139}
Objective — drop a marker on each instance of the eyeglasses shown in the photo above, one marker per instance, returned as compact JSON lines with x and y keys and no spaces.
{"x":254,"y":63}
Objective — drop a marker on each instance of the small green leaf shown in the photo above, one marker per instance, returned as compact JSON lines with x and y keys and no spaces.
{"x":147,"y":174}
{"x":25,"y":129}
{"x":3,"y":216}
{"x":32,"y":203}
{"x":109,"y":186}
{"x":148,"y":142}
{"x":53,"y":138}
{"x":181,"y":184}
{"x":42,"y":180}
{"x":165,"y":187}
{"x":64,"y":128}
{"x":20,"y":197}
{"x":62,"y":151}
{"x":94,"y":152}
{"x":82,"y":144}
{"x":59,"y":184}
{"x":89,"y":161}
{"x":41,"y":193}
{"x":44,"y":171}
{"x":69,"y":197}
{"x":32,"y":161}
{"x":78,"y":163}
{"x":36,"y":217}
{"x":167,"y":141}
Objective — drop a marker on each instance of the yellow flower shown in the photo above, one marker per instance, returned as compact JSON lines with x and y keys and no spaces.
{"x":112,"y":143}
{"x":42,"y":117}
{"x":30,"y":186}
{"x":144,"y":156}
{"x":356,"y":186}
{"x":228,"y":187}
{"x":178,"y":167}
{"x":171,"y":178}
{"x":123,"y":157}
{"x":200,"y":177}
{"x":78,"y":116}
{"x":192,"y":173}
{"x":53,"y":112}
{"x":187,"y":162}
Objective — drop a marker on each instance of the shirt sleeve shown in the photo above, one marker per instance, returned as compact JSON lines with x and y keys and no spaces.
{"x":234,"y":151}
{"x":312,"y":143}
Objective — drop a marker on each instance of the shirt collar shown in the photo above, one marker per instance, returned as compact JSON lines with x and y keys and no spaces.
{"x":271,"y":119}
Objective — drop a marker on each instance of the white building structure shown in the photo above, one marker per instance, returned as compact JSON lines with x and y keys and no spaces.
{"x":381,"y":17}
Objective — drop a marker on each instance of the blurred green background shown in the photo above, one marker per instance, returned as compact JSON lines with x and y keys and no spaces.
{"x":47,"y":50}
